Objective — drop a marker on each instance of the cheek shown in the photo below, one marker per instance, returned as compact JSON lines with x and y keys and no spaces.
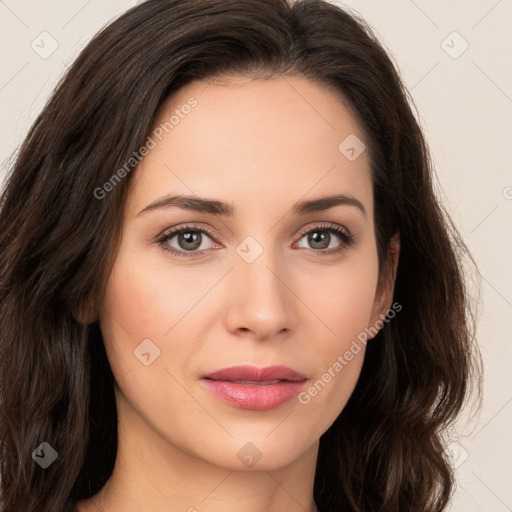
{"x":342,"y":299}
{"x":142,"y":304}
{"x":139,"y":305}
{"x":343,"y":306}
{"x":146,"y":300}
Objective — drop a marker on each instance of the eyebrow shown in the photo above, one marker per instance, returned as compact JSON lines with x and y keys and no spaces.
{"x":221,"y":208}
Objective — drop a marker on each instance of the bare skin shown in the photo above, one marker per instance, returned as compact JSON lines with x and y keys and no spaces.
{"x":261,"y":146}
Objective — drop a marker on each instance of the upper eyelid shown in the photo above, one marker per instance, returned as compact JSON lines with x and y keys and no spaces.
{"x":324,"y":225}
{"x":175,"y":230}
{"x":320,"y":224}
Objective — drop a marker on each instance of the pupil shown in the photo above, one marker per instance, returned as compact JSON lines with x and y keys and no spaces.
{"x":189,"y":238}
{"x":318,"y":237}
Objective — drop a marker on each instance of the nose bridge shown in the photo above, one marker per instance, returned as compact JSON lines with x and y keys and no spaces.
{"x":262,"y":302}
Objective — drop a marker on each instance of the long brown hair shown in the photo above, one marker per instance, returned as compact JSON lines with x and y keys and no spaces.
{"x":385,"y":451}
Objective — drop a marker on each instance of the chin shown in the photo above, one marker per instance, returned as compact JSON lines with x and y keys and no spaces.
{"x":257,"y":453}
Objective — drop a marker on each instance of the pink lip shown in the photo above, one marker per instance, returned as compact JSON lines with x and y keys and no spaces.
{"x":252,"y":373}
{"x":254,"y":396}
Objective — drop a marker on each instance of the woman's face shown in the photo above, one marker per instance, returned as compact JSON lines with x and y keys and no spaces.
{"x":245,"y":288}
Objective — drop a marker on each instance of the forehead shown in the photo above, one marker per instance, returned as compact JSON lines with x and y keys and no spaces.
{"x":253,"y":139}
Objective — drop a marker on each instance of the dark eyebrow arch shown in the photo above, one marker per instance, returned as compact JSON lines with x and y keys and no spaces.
{"x":222,"y":208}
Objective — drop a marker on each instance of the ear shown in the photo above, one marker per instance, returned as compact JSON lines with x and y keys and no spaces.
{"x":385,"y":287}
{"x":86,"y":313}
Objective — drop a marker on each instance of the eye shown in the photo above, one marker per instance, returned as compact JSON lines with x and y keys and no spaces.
{"x":189,"y":240}
{"x":320,"y":238}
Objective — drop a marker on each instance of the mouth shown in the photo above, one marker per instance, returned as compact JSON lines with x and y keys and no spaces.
{"x":252,"y":374}
{"x":249,"y":387}
{"x":256,"y":383}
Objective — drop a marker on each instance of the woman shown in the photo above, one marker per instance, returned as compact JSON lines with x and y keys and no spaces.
{"x":225,"y":280}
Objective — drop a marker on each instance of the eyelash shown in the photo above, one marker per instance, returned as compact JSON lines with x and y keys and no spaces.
{"x":347,"y":239}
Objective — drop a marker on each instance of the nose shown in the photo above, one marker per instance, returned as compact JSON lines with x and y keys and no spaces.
{"x":262,"y":299}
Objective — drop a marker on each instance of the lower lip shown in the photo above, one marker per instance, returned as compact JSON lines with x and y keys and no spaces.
{"x":253,"y":396}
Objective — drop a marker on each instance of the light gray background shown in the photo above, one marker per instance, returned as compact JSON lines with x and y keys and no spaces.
{"x":465,"y":105}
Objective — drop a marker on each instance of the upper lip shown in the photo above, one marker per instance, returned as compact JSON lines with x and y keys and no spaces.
{"x":254,"y":374}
